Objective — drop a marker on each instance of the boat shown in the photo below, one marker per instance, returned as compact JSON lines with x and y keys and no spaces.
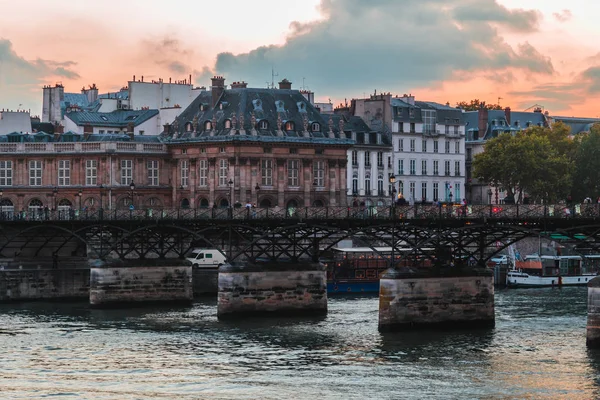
{"x":549,"y":271}
{"x":358,"y":269}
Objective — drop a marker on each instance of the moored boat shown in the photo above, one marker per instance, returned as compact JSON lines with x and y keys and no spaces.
{"x":548,"y":271}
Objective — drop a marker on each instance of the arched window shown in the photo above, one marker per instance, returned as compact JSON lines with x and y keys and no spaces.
{"x":355,"y":183}
{"x":185,"y":203}
{"x":380,"y":184}
{"x":318,"y":203}
{"x":7,"y":209}
{"x":292,"y":204}
{"x":367,"y":185}
{"x":203,"y":203}
{"x":35,"y":205}
{"x":227,"y":124}
{"x":223,"y":203}
{"x":315,"y":127}
{"x":188,"y":127}
{"x":289,"y":126}
{"x":265,"y":203}
{"x":207,"y":126}
{"x":263,"y":124}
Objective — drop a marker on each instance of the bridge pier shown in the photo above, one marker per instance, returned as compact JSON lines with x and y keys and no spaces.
{"x":452,"y":298}
{"x":121,"y":283}
{"x":272,"y":288}
{"x":593,"y":319}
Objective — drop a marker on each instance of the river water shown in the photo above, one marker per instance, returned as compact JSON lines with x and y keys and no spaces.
{"x":66,"y":350}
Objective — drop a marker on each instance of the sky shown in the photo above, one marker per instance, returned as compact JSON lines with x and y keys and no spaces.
{"x":518,"y":53}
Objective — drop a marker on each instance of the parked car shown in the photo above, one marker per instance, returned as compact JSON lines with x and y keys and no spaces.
{"x":206,"y":258}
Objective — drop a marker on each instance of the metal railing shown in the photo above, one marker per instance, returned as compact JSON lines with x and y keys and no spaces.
{"x":417,"y":211}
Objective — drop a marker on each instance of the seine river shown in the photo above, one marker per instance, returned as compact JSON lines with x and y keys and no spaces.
{"x":66,"y":350}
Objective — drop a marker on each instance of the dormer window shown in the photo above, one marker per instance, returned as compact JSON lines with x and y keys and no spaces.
{"x":227,"y":124}
{"x":517,"y":124}
{"x":104,"y":118}
{"x":528,"y":124}
{"x":502,"y":123}
{"x":188,"y":127}
{"x":263,"y":124}
{"x":315,"y":127}
{"x":208,"y":126}
{"x":289,"y":126}
{"x":494,"y":122}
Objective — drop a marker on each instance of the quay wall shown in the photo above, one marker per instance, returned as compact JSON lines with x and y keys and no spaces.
{"x":593,"y":317}
{"x":206,"y":281}
{"x":44,"y":284}
{"x":112,"y":286}
{"x":272,"y":289}
{"x":409,"y":302}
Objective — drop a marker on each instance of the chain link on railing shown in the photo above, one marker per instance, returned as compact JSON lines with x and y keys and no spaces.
{"x":418,"y":211}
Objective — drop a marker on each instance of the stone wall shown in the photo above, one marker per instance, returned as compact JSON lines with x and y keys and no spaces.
{"x":272,"y":288}
{"x":114,"y":285}
{"x":407,"y":302}
{"x":44,"y":284}
{"x":593,"y":317}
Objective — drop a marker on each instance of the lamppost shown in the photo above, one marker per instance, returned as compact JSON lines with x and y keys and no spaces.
{"x":392,"y":180}
{"x":256,"y":189}
{"x":131,"y":194}
{"x":489,"y":193}
{"x":101,"y":204}
{"x":79,"y":194}
{"x":230,"y":183}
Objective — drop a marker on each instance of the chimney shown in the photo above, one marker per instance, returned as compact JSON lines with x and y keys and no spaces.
{"x":87,"y":131}
{"x":483,"y":122}
{"x":507,"y":115}
{"x":217,"y":89}
{"x":239,"y":85}
{"x":285,"y":84}
{"x":130,"y":127}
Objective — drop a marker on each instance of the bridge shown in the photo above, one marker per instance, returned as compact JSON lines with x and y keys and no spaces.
{"x":300,"y":233}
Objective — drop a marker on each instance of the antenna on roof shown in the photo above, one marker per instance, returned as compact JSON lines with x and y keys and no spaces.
{"x":500,"y":98}
{"x":303,"y":85}
{"x":273,"y":75}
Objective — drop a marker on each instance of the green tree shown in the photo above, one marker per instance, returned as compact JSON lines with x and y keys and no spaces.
{"x":475,"y":105}
{"x":586,"y":178}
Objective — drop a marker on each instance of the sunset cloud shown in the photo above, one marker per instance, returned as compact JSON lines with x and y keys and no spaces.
{"x":563,"y":16}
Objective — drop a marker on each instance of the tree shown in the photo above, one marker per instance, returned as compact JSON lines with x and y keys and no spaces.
{"x":475,"y":105}
{"x":527,"y":162}
{"x":586,"y":178}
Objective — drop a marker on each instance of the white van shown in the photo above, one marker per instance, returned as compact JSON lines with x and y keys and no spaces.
{"x":206,"y":258}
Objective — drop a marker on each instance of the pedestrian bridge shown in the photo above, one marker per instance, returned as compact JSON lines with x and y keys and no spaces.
{"x":294,"y":233}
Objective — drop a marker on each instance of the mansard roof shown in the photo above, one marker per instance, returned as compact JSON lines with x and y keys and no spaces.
{"x":257,"y":112}
{"x":118,"y":118}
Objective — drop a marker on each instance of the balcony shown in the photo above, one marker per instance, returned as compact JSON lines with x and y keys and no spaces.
{"x":83,"y":147}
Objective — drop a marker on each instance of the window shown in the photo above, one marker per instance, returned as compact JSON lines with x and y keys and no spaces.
{"x":223,"y":172}
{"x":424,"y":146}
{"x":401,"y":187}
{"x":457,"y":147}
{"x":319,"y":151}
{"x":456,"y":168}
{"x":436,"y":167}
{"x":293,"y":168}
{"x":208,"y":126}
{"x":423,"y":167}
{"x":289,"y":126}
{"x":126,"y":172}
{"x":413,"y":167}
{"x":263,"y":124}
{"x":367,"y":158}
{"x":152,"y":172}
{"x":222,"y":150}
{"x":423,"y":191}
{"x":293,"y":151}
{"x":319,"y":173}
{"x":316,"y":127}
{"x":447,"y":168}
{"x":203,"y":173}
{"x":400,"y":167}
{"x":411,"y":189}
{"x":456,"y":130}
{"x":227,"y":124}
{"x":91,"y":172}
{"x":380,"y":185}
{"x":412,"y":127}
{"x":457,"y":194}
{"x":447,"y":147}
{"x":447,"y":129}
{"x":401,"y":145}
{"x":5,"y":173}
{"x":266,"y":170}
{"x":436,"y":191}
{"x":428,"y":121}
{"x":141,"y":132}
{"x":435,"y":146}
{"x":64,"y":172}
{"x":184,"y":172}
{"x":35,"y":173}
{"x":267,"y":150}
{"x":412,"y":145}
{"x":354,"y":157}
{"x":379,"y":159}
{"x":367,"y":185}
{"x":354,"y":183}
{"x":401,"y":127}
{"x":101,"y":131}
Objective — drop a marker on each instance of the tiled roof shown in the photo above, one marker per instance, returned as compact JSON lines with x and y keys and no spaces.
{"x":119,"y":118}
{"x":497,"y":122}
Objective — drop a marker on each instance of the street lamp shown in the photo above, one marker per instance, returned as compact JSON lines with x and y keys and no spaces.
{"x":450,"y":196}
{"x":392,"y":180}
{"x":101,"y":204}
{"x":256,"y":189}
{"x":79,"y":194}
{"x":489,"y":193}
{"x":230,"y":183}
{"x":1,"y":205}
{"x":131,"y":192}
{"x":54,"y":194}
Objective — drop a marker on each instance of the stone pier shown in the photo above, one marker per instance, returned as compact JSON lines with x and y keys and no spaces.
{"x":593,"y":319}
{"x":272,"y":288}
{"x":447,"y":298}
{"x":45,"y":283}
{"x":120,"y":283}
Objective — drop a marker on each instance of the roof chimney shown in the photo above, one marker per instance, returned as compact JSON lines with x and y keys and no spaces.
{"x":239,"y":85}
{"x":507,"y":115}
{"x":217,"y":88}
{"x":483,"y":122}
{"x":285,"y":84}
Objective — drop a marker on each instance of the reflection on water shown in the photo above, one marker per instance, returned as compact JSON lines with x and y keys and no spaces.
{"x":536,"y":350}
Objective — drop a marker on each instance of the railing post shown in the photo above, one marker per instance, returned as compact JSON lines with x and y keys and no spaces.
{"x":491,"y":210}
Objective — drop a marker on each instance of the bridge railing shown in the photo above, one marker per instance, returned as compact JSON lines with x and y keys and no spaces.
{"x":417,"y":211}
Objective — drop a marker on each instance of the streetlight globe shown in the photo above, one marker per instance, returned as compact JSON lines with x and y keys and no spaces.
{"x":132,"y":186}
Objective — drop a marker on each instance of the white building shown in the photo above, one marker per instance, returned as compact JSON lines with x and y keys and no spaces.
{"x":14,"y":121}
{"x":140,"y":122}
{"x":429,"y":150}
